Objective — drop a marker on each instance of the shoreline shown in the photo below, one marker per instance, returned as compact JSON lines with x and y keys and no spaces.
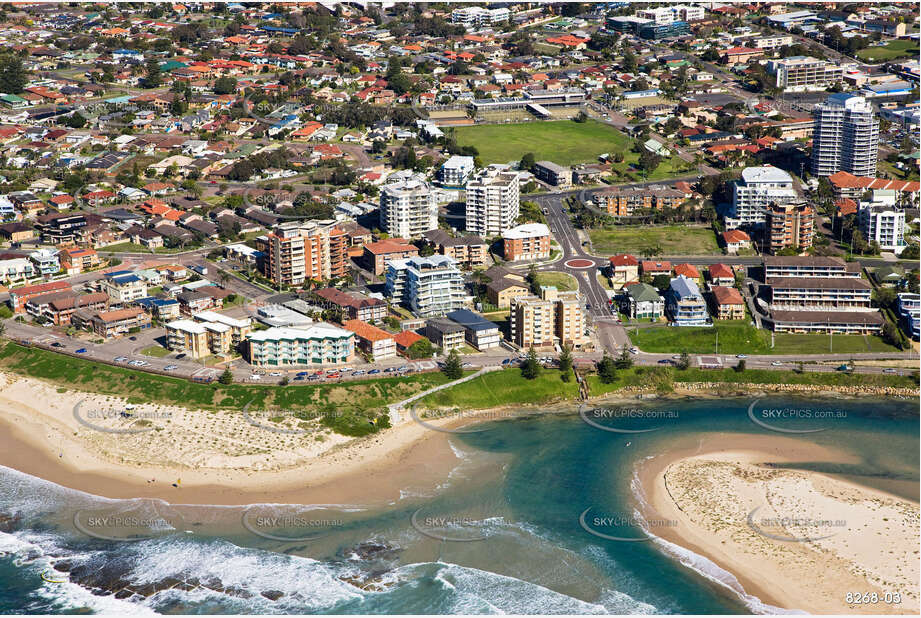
{"x":43,"y":440}
{"x":776,"y":570}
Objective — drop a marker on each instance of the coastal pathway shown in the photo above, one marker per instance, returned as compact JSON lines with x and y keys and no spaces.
{"x":394,"y":408}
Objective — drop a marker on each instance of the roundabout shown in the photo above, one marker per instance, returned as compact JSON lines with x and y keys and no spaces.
{"x":579,"y":263}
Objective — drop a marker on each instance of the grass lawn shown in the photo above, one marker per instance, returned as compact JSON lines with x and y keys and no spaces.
{"x":663,"y":379}
{"x":141,"y":387}
{"x":739,"y":337}
{"x":506,"y":387}
{"x":671,"y":239}
{"x":893,"y":49}
{"x":562,"y":141}
{"x":562,"y":281}
{"x":156,"y":351}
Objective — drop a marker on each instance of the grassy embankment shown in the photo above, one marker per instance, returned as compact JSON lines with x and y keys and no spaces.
{"x":346,"y":407}
{"x":740,"y":337}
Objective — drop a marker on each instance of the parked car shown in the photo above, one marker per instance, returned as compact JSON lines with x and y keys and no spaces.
{"x":374,"y":372}
{"x":741,"y":355}
{"x":81,"y":351}
{"x":120,"y":359}
{"x":358,"y":372}
{"x":776,"y":364}
{"x":171,"y":368}
{"x":301,"y":374}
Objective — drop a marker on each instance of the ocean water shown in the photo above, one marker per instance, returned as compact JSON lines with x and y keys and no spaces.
{"x":501,"y":535}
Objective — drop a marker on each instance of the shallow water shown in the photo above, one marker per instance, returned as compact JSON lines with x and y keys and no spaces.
{"x":502,"y":535}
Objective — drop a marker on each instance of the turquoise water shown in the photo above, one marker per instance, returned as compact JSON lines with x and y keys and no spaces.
{"x":502,"y":534}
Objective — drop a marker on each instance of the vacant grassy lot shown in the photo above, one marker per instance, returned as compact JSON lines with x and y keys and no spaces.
{"x":670,"y":239}
{"x":562,"y":281}
{"x":130,"y":247}
{"x":507,"y":387}
{"x":561,"y":141}
{"x":893,"y":49}
{"x":739,"y":337}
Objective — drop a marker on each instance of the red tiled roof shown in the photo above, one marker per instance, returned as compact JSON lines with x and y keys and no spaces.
{"x":407,"y":338}
{"x":733,"y":236}
{"x":727,"y":296}
{"x":624,"y":259}
{"x":367,"y":331}
{"x":688,"y":270}
{"x":718,"y":271}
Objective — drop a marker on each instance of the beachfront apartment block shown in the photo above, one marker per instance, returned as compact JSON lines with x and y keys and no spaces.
{"x":845,"y":136}
{"x":819,"y":294}
{"x":789,"y":225}
{"x":554,"y":317}
{"x":428,"y":286}
{"x":456,"y":171}
{"x":809,"y":266}
{"x":882,"y":222}
{"x":757,"y":189}
{"x":804,"y":74}
{"x":408,"y":208}
{"x":58,"y":308}
{"x":446,"y":334}
{"x":531,"y":321}
{"x":492,"y":201}
{"x":478,"y":331}
{"x":298,"y":251}
{"x":684,"y":304}
{"x":207,"y":333}
{"x":568,"y":317}
{"x":529,"y":241}
{"x":115,"y":323}
{"x":46,"y":262}
{"x":317,"y":344}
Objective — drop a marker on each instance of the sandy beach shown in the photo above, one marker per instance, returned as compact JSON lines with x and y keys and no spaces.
{"x":213,"y":457}
{"x":796,"y":540}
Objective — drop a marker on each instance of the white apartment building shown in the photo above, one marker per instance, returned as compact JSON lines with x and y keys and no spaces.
{"x":671,"y":14}
{"x":881,"y":221}
{"x":755,"y":191}
{"x":492,"y":201}
{"x":772,"y":42}
{"x":845,"y":136}
{"x":408,"y":208}
{"x":804,"y":73}
{"x":456,"y":171}
{"x":16,"y":269}
{"x":428,"y":286}
{"x":475,"y":16}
